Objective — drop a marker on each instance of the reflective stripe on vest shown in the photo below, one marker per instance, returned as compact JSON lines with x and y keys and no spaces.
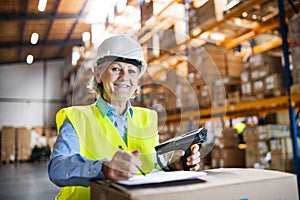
{"x":99,"y":138}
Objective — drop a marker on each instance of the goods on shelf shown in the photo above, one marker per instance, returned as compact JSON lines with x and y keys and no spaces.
{"x":203,"y":96}
{"x":228,"y":138}
{"x":232,"y":87}
{"x":278,"y":120}
{"x":225,"y":152}
{"x":295,"y":89}
{"x":234,"y":97}
{"x":281,"y":154}
{"x":272,"y":138}
{"x":296,"y":73}
{"x":206,"y":14}
{"x":227,"y":157}
{"x":146,"y":11}
{"x":257,"y":147}
{"x":263,"y":78}
{"x":294,"y":36}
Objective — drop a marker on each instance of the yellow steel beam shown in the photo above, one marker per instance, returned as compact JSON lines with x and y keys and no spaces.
{"x":260,"y":29}
{"x":268,"y":46}
{"x":235,"y":12}
{"x":241,"y":109}
{"x":263,"y":47}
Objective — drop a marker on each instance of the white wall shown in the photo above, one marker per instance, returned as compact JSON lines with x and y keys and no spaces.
{"x":30,"y":95}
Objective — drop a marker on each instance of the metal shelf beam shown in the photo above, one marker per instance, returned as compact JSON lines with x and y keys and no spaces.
{"x":293,"y":125}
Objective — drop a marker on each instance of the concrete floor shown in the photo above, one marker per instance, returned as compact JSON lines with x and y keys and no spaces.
{"x":22,"y":181}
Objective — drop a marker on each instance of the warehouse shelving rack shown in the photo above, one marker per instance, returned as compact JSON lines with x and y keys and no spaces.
{"x":293,"y":117}
{"x":290,"y":103}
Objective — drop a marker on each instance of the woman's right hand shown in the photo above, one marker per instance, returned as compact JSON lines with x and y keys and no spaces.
{"x":122,"y":166}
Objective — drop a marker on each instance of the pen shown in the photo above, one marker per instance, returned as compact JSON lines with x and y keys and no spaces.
{"x":120,"y":147}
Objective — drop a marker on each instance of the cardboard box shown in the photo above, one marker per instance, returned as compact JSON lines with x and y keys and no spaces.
{"x":282,"y":162}
{"x":24,"y":150}
{"x":275,"y":81}
{"x":256,"y":160}
{"x":277,"y":130}
{"x":255,"y":133}
{"x":8,"y":144}
{"x":207,"y":14}
{"x":225,"y":184}
{"x":247,"y":88}
{"x":245,"y":75}
{"x":295,"y":89}
{"x":261,"y":60}
{"x":232,"y":157}
{"x":258,"y":86}
{"x":257,"y":147}
{"x":296,"y":73}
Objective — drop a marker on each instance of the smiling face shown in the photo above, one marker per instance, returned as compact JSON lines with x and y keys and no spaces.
{"x":120,"y":81}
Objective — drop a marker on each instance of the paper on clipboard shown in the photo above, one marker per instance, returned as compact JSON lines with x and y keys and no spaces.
{"x":162,"y":177}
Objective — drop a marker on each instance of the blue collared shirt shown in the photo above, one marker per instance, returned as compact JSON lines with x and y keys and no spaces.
{"x":67,"y":167}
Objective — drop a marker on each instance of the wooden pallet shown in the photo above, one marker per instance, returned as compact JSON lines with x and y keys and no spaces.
{"x":271,"y":93}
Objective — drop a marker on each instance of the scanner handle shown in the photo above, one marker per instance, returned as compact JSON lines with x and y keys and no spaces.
{"x":187,"y":153}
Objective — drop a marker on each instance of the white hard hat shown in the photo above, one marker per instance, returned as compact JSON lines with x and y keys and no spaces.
{"x":124,"y":49}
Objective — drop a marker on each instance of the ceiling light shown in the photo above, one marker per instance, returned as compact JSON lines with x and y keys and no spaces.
{"x":231,"y":4}
{"x":86,"y":36}
{"x":244,"y":14}
{"x":254,"y":17}
{"x":29,"y":59}
{"x":97,"y":31}
{"x":42,"y":5}
{"x":217,"y":36}
{"x":196,"y":31}
{"x":99,"y":11}
{"x":111,"y":15}
{"x":75,"y":55}
{"x":34,"y":38}
{"x":121,"y":4}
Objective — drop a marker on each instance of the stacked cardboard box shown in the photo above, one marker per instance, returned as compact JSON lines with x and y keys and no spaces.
{"x":24,"y":149}
{"x":226,"y":152}
{"x":171,"y":91}
{"x":207,"y":14}
{"x":146,"y":11}
{"x":8,"y":144}
{"x":282,"y":154}
{"x":201,"y":90}
{"x":273,"y":138}
{"x":276,"y":130}
{"x":226,"y":88}
{"x":246,"y":84}
{"x":264,"y":77}
{"x":216,"y":75}
{"x":294,"y":35}
{"x":257,"y":146}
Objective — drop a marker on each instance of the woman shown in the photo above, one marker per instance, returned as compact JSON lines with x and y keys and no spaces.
{"x":109,"y":139}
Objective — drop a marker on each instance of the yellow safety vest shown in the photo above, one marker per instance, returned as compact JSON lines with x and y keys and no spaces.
{"x":99,"y":139}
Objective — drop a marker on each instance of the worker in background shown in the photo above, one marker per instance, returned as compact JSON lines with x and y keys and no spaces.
{"x":109,"y":139}
{"x":240,"y":127}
